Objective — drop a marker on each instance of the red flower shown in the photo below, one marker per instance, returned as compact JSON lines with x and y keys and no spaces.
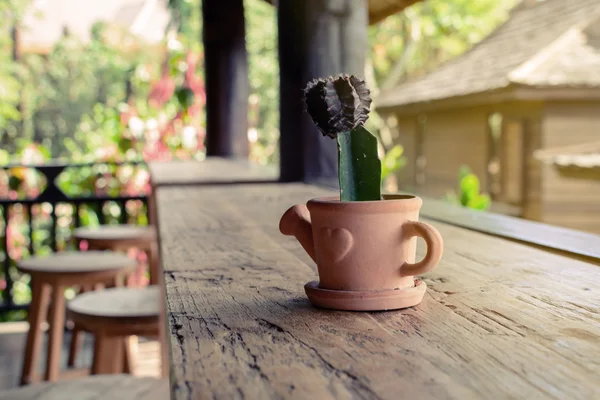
{"x":162,"y":90}
{"x":193,"y":81}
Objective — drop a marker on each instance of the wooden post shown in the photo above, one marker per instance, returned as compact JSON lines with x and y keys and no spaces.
{"x":317,"y":38}
{"x":226,"y":76}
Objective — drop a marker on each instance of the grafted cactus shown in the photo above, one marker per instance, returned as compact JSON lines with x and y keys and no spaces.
{"x":339,"y":107}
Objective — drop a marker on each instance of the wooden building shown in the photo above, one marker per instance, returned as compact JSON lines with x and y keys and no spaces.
{"x":574,"y":171}
{"x":532,"y":84}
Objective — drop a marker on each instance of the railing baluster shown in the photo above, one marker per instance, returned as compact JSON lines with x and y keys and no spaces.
{"x":123,"y":216}
{"x":30,"y":224}
{"x":53,"y":227}
{"x":8,"y":301}
{"x":101,"y":218}
{"x":76,"y":216}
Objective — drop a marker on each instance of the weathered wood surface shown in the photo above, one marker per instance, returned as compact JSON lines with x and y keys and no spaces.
{"x":500,"y":320}
{"x":100,"y":387}
{"x":212,"y":170}
{"x":569,"y":242}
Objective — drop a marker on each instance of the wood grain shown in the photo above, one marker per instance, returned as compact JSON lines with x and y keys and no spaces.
{"x":103,"y":387}
{"x":499,"y":320}
{"x":212,"y":170}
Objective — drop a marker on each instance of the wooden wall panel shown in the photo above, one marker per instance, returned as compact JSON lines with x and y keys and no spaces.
{"x":568,"y":201}
{"x":452,"y":139}
{"x":512,"y":147}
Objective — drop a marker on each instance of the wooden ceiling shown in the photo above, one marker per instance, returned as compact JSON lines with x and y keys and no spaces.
{"x":380,"y":9}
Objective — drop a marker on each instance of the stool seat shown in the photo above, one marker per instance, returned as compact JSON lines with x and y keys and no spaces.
{"x":111,"y":236}
{"x":99,"y":387}
{"x":75,"y":262}
{"x":118,"y":303}
{"x":113,"y":316}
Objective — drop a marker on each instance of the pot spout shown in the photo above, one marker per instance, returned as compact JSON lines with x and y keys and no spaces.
{"x":296,"y":222}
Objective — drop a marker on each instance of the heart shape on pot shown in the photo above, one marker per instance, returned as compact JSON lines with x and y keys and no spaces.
{"x":336,"y":243}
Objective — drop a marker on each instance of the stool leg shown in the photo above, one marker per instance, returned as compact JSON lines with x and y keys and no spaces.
{"x":76,"y":343}
{"x":77,"y":334}
{"x":38,"y":310}
{"x":129,"y":352}
{"x":99,"y":346}
{"x":108,"y":354}
{"x":57,"y":326}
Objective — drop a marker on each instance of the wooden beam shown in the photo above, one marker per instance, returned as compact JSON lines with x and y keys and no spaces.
{"x":317,"y":38}
{"x":575,"y":172}
{"x":380,"y":9}
{"x":226,"y":77}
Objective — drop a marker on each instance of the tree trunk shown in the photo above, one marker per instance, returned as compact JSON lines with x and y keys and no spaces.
{"x":226,"y":75}
{"x":317,"y":38}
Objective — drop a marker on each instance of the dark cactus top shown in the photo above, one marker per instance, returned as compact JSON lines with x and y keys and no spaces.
{"x":337,"y":104}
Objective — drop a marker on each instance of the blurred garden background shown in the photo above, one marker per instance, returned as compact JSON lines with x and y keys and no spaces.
{"x":115,"y":97}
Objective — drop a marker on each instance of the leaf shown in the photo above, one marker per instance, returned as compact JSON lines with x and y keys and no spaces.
{"x":359,"y":166}
{"x":4,"y":157}
{"x":479,"y":202}
{"x":470,"y":184}
{"x":392,"y":161}
{"x":185,"y":97}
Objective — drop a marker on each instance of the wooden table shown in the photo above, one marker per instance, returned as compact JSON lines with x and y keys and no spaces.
{"x":212,"y":170}
{"x":500,"y":320}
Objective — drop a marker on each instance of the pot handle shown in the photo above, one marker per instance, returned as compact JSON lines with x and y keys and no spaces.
{"x":435,"y":247}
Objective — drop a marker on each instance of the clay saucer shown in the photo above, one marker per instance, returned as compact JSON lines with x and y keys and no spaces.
{"x":367,"y":300}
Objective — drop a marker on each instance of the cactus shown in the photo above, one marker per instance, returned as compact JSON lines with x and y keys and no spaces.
{"x":339,"y":107}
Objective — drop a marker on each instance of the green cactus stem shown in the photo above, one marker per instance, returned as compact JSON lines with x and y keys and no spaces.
{"x":359,"y":168}
{"x":339,"y":107}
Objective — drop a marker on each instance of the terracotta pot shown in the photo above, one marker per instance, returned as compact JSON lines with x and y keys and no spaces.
{"x":364,"y":251}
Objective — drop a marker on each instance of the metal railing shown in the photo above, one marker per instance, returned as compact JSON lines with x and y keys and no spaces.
{"x":45,"y":204}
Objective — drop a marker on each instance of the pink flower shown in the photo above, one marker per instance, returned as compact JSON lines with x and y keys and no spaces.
{"x":163,"y":90}
{"x":193,"y":81}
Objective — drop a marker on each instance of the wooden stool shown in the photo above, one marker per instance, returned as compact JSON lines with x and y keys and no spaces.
{"x":106,"y":387}
{"x":50,"y":276}
{"x":115,"y":238}
{"x":113,"y":315}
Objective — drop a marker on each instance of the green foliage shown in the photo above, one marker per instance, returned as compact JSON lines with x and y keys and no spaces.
{"x":10,"y":11}
{"x":469,"y":192}
{"x":359,"y":166}
{"x":187,"y":18}
{"x":392,"y":161}
{"x":263,"y":70}
{"x":429,"y":33}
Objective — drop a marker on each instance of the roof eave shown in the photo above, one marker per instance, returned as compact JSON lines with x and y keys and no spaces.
{"x":480,"y":98}
{"x":511,"y":92}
